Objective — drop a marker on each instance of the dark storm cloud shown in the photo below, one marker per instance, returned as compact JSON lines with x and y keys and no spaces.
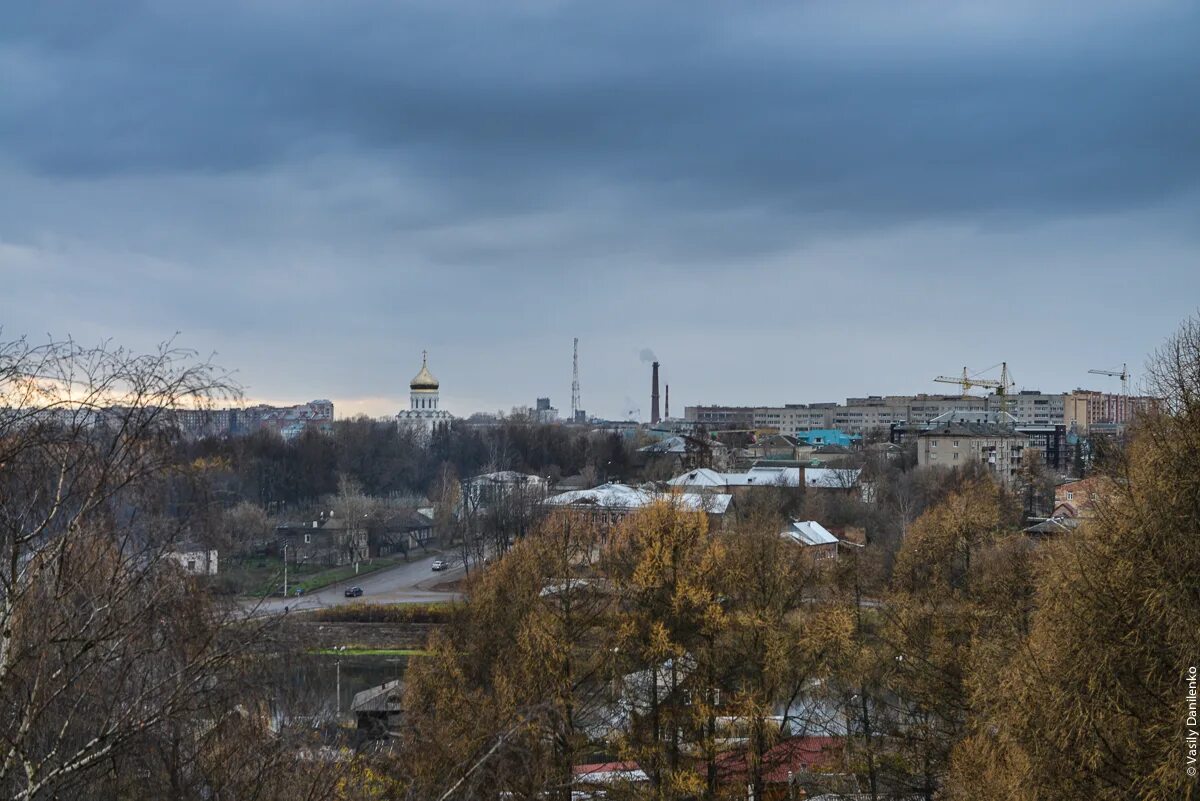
{"x":862,"y":109}
{"x":580,"y":167}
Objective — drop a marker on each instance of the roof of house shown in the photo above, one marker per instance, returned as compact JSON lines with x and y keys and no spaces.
{"x":385,"y":697}
{"x":759,"y":476}
{"x":701,"y":477}
{"x":674,"y":444}
{"x":778,"y":440}
{"x":681,"y":444}
{"x":767,"y":476}
{"x":809,"y":532}
{"x":408,"y":520}
{"x":787,"y":757}
{"x":608,"y":772}
{"x":1054,"y":525}
{"x":988,"y":430}
{"x":831,"y":477}
{"x":623,"y":496}
{"x":506,"y":477}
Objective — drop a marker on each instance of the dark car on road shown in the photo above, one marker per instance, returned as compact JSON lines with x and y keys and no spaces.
{"x":354,"y":592}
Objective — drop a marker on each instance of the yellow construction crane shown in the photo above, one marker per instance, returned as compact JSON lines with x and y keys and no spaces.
{"x":967,"y":381}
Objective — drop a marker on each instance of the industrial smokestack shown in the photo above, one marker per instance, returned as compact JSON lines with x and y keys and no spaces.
{"x":654,"y":418}
{"x":667,"y":401}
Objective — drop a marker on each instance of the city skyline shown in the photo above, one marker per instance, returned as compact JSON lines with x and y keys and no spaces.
{"x":784,"y":203}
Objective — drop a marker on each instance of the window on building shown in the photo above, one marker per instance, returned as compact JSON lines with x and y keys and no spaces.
{"x":308,"y":538}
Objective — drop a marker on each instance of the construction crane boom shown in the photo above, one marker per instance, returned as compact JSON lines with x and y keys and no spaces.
{"x":1123,"y":375}
{"x":966,"y":381}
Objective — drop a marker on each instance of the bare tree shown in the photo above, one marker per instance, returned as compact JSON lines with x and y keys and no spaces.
{"x":108,"y":654}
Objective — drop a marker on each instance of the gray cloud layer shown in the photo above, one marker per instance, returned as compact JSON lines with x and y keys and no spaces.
{"x":320,"y":190}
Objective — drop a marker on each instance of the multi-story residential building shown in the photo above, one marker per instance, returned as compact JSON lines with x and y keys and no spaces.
{"x":1084,"y":409}
{"x":290,"y":421}
{"x":287,"y":421}
{"x":1032,"y":407}
{"x":856,"y":416}
{"x":1051,"y":442}
{"x":721,"y":416}
{"x":882,"y":412}
{"x":1000,"y":448}
{"x":206,"y":422}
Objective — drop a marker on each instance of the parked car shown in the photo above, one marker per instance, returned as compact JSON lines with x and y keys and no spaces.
{"x":438,"y":564}
{"x":354,"y":592}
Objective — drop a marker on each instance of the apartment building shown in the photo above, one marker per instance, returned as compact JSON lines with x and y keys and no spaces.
{"x":288,"y":421}
{"x":1000,"y":448}
{"x":1081,"y":408}
{"x":1084,"y":409}
{"x":1032,"y":407}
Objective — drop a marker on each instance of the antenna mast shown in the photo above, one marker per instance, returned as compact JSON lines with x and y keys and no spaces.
{"x":575,"y":383}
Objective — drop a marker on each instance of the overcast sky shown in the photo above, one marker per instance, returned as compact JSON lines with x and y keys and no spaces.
{"x":786,"y":202}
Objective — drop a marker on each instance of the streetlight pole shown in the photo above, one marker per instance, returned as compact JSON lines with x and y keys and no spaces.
{"x":338,"y":668}
{"x":285,"y":545}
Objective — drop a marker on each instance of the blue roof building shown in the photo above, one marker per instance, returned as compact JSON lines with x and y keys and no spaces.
{"x":828,"y":436}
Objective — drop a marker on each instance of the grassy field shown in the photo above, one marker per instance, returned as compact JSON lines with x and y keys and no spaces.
{"x":373,"y":652}
{"x":258,"y":576}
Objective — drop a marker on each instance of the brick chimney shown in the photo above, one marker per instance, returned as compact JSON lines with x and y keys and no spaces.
{"x":654,"y":416}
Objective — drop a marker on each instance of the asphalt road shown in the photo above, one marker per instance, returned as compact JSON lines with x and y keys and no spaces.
{"x":412,"y":582}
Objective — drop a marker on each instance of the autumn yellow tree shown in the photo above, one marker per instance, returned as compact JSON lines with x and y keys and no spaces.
{"x":960,"y":583}
{"x":1093,"y":704}
{"x":666,"y":566}
{"x":781,"y":642}
{"x":508,"y":697}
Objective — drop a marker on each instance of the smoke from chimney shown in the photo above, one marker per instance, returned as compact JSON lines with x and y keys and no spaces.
{"x":654,"y":417}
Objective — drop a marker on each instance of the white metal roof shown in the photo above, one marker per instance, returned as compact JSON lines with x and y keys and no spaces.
{"x":702,"y":477}
{"x":622,"y":496}
{"x":809,"y":532}
{"x":830,"y":477}
{"x":754,"y":477}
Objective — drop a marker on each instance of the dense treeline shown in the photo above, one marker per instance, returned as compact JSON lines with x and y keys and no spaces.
{"x":386,"y":460}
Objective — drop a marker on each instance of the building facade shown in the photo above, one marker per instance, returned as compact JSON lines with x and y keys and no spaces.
{"x":1085,"y":410}
{"x":325,"y":541}
{"x":1000,"y":449}
{"x":875,"y":413}
{"x":287,"y":421}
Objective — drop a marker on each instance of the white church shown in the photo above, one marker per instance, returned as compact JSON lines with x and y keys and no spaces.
{"x":423,"y":412}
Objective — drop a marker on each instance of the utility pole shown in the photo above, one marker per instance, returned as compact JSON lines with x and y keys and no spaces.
{"x":285,"y":545}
